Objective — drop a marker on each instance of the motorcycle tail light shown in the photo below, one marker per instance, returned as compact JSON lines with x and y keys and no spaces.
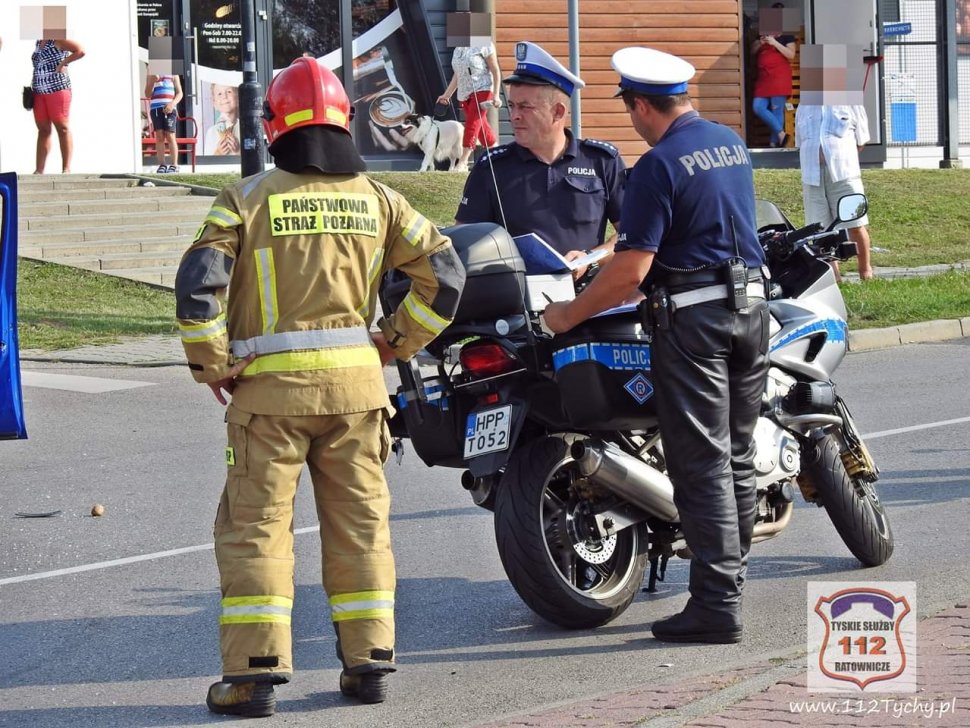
{"x":486,"y":360}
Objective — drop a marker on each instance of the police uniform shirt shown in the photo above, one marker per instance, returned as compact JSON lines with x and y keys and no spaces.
{"x":566,"y":203}
{"x":682,"y":195}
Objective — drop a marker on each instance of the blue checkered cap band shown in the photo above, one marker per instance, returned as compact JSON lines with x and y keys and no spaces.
{"x":535,"y":66}
{"x":653,"y":72}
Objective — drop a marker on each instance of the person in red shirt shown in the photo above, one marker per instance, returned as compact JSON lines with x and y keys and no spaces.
{"x":772,"y":87}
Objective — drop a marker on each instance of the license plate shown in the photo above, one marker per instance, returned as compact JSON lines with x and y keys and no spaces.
{"x":487,"y":431}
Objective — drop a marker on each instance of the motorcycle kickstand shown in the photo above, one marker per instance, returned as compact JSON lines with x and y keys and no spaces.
{"x":658,"y":569}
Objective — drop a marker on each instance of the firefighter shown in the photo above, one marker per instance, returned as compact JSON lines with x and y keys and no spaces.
{"x":274,"y":300}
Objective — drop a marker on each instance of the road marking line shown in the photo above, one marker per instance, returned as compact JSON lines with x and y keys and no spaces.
{"x":73,"y":383}
{"x":914,"y":428}
{"x":124,"y":561}
{"x":209,"y":546}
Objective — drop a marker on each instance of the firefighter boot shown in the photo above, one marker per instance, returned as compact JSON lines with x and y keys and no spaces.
{"x":367,"y":687}
{"x":247,"y":699}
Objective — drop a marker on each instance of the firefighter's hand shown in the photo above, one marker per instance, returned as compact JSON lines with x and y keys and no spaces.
{"x":383,"y":348}
{"x":228,"y":383}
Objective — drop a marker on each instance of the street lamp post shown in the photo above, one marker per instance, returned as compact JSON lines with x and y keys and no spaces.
{"x":250,"y":98}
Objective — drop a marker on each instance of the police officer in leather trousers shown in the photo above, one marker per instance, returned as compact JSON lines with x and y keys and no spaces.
{"x":689,"y":241}
{"x":301,"y":250}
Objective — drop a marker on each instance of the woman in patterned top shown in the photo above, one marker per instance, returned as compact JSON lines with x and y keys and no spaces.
{"x":478,"y":81}
{"x":52,"y":97}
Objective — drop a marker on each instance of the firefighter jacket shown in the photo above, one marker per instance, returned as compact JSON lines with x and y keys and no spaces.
{"x":286,"y":267}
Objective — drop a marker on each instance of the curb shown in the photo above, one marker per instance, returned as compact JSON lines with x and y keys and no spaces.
{"x":919,"y":333}
{"x":163,"y":351}
{"x":146,"y":351}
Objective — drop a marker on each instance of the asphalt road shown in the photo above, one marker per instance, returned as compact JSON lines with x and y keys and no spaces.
{"x":133,"y":641}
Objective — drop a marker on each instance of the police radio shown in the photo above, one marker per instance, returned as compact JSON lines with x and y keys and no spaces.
{"x":737,"y":283}
{"x":736,"y":270}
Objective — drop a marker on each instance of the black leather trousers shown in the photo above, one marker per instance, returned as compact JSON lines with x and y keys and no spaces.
{"x":709,"y":369}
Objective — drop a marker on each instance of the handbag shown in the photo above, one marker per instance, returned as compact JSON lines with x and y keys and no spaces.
{"x":28,"y":98}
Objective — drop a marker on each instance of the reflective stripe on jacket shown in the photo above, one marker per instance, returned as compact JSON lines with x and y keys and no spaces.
{"x":301,"y":257}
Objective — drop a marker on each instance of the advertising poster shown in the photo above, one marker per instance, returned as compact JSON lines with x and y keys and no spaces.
{"x":389,"y":81}
{"x":386,"y":71}
{"x":218,"y":27}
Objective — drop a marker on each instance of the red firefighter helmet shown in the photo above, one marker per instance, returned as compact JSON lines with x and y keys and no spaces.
{"x":305,"y":93}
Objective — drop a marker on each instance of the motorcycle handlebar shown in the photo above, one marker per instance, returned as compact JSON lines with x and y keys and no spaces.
{"x":784,"y":244}
{"x":802,"y":233}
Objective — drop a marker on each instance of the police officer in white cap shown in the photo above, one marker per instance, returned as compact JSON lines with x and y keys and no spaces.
{"x":546,"y":182}
{"x":689,"y":242}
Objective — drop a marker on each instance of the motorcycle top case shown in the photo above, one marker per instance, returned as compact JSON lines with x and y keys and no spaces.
{"x":494,"y":274}
{"x":602,"y":368}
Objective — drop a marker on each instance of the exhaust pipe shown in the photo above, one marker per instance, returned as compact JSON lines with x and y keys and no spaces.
{"x":763,"y":531}
{"x":628,"y":477}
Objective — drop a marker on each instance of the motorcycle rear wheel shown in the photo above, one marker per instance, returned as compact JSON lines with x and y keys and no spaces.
{"x":573,"y":582}
{"x":853,"y":506}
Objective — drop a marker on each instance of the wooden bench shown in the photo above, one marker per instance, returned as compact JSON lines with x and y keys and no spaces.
{"x":184,"y":145}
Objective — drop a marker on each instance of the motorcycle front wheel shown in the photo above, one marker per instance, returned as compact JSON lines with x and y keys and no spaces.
{"x":562,"y":574}
{"x":853,"y":506}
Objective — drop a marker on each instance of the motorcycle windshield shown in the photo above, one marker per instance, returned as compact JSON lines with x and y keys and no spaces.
{"x":11,"y":399}
{"x":769,"y":216}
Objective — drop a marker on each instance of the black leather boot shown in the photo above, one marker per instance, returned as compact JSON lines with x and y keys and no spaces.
{"x":697,"y":624}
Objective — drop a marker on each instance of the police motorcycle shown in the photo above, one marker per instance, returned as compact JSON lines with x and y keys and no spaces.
{"x":558,"y":435}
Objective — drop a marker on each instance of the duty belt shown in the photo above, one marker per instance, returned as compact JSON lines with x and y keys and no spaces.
{"x":674,"y":279}
{"x":718,"y":292}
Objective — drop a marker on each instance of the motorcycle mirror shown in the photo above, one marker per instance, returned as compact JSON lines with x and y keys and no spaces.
{"x":852,"y":207}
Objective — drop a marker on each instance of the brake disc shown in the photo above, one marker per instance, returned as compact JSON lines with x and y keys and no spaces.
{"x":595,"y":552}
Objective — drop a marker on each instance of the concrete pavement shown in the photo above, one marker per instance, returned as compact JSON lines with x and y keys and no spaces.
{"x":770,"y":692}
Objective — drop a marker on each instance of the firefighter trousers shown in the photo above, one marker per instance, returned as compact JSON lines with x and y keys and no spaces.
{"x":254,"y":538}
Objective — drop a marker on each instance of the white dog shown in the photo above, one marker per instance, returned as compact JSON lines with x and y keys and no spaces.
{"x":439,"y":140}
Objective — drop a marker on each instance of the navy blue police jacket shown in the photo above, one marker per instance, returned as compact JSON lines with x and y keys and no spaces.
{"x":567,"y":203}
{"x":683,"y":195}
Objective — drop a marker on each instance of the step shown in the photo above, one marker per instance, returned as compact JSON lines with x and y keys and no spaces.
{"x":114,"y":193}
{"x":56,"y":251}
{"x":70,"y":182}
{"x":163,"y":276}
{"x":92,"y":222}
{"x":39,"y":180}
{"x":172,"y":229}
{"x":180,"y":206}
{"x":121,"y":261}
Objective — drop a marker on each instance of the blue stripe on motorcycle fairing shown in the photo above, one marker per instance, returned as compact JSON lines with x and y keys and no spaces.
{"x":439,"y":401}
{"x":623,"y":357}
{"x":835,"y":329}
{"x":570,"y":355}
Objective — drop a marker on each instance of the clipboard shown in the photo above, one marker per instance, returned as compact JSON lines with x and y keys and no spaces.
{"x":541,"y":258}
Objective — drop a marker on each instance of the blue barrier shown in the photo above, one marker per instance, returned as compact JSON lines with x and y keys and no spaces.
{"x":11,"y":398}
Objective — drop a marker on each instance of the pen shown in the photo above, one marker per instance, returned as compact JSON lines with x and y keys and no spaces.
{"x":546,"y":296}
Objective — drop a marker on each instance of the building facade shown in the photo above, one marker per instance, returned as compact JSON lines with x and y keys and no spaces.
{"x":401,"y":62}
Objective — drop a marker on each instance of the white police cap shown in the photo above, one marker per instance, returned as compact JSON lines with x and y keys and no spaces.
{"x":536,"y":67}
{"x":652,"y":72}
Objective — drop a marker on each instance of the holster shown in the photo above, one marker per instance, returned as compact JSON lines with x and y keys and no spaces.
{"x":656,"y":309}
